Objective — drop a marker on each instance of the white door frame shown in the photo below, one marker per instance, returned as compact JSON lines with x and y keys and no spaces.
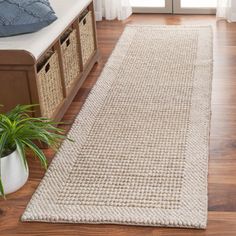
{"x":177,"y":9}
{"x":167,"y":9}
{"x":174,"y":6}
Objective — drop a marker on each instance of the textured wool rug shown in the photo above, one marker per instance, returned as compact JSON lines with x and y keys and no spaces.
{"x":140,"y":155}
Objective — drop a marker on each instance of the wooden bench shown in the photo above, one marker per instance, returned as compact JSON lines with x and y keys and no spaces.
{"x":49,"y":66}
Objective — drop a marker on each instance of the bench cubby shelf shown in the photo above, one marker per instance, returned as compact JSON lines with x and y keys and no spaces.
{"x":50,"y":77}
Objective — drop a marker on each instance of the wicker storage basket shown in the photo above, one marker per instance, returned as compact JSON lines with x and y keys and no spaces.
{"x":87,"y":36}
{"x":70,"y":56}
{"x":49,"y":86}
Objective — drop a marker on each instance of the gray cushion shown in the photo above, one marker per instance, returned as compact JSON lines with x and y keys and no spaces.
{"x":24,"y":16}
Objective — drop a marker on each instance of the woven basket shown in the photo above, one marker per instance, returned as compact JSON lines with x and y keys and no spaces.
{"x":70,"y":56}
{"x":87,"y":37}
{"x":49,"y":86}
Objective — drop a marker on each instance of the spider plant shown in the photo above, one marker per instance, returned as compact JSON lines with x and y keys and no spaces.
{"x":19,"y":131}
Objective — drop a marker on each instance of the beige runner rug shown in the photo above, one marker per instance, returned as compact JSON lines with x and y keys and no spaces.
{"x":140,"y":155}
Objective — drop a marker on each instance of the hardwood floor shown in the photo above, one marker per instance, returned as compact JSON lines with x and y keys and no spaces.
{"x":222,"y":163}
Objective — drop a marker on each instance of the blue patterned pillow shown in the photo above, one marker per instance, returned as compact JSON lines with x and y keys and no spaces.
{"x":24,"y":16}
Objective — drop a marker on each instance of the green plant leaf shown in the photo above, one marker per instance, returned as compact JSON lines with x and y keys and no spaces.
{"x":21,"y":150}
{"x":2,"y":189}
{"x":37,"y":151}
{"x":3,"y":140}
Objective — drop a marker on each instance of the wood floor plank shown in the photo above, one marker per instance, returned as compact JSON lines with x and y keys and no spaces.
{"x":222,"y":160}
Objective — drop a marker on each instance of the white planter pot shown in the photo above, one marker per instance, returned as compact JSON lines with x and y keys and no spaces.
{"x":13,"y":172}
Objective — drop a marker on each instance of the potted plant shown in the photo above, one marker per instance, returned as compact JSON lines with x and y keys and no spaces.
{"x":18,"y":133}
